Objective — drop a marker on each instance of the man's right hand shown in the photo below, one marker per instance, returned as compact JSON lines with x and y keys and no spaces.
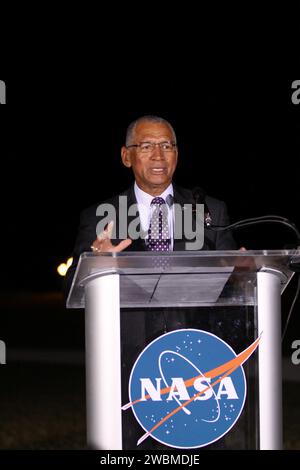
{"x":103,"y":244}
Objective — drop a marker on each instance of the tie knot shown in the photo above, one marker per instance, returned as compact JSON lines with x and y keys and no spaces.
{"x":157,"y":201}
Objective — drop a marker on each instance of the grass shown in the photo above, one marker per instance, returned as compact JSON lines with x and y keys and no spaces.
{"x":42,"y":407}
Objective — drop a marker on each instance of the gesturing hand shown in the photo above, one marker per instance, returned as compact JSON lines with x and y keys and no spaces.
{"x":103,"y":244}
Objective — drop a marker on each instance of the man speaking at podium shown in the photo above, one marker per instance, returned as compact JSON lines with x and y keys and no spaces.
{"x":151,"y":151}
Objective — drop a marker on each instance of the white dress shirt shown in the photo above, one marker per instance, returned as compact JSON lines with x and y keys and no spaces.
{"x":145,"y":210}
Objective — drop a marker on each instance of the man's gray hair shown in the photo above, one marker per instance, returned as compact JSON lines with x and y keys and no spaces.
{"x":149,"y":118}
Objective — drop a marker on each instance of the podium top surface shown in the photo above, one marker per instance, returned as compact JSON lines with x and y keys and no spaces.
{"x":181,"y":278}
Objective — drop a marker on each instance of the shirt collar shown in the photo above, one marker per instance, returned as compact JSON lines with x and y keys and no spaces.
{"x":145,"y":199}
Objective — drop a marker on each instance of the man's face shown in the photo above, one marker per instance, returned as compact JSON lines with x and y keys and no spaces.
{"x":153,"y":170}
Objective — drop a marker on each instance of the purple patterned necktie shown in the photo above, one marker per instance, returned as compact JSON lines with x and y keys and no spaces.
{"x":158,"y":233}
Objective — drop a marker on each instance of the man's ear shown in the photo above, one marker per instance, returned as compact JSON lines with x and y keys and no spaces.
{"x":125,"y":155}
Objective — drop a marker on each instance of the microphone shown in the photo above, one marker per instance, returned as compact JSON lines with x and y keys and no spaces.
{"x":199,"y":198}
{"x":266,"y":219}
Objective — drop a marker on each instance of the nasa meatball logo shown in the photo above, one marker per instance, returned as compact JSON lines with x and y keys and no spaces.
{"x":187,"y":388}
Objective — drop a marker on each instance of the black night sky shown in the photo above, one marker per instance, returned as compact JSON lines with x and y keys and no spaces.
{"x":238,"y":138}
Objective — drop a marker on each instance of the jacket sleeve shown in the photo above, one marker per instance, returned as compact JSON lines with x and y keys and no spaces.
{"x":85,"y":236}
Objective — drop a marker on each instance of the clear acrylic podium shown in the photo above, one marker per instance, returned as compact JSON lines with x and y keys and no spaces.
{"x":233,"y":294}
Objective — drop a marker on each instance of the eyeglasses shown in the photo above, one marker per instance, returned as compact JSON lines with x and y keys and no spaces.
{"x":148,"y":147}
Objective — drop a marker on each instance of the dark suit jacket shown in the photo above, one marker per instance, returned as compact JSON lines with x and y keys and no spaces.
{"x":212,"y":240}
